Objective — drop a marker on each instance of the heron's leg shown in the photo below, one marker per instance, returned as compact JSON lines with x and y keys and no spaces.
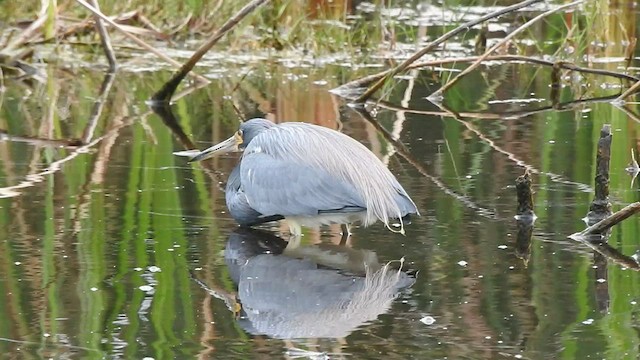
{"x":346,"y":233}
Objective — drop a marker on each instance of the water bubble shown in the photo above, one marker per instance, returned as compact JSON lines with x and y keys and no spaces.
{"x":428,"y":320}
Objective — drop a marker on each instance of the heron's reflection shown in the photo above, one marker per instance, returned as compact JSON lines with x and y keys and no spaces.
{"x":288,"y":297}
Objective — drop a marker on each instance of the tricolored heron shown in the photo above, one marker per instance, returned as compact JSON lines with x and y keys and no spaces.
{"x":308,"y":175}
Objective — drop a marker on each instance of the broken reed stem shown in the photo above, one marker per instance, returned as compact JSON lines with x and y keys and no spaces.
{"x":135,"y":39}
{"x":605,"y":224}
{"x":524,"y":195}
{"x":105,"y":40}
{"x":560,"y":64}
{"x":600,"y":206}
{"x":501,"y":43}
{"x":167,"y":90}
{"x":462,"y":28}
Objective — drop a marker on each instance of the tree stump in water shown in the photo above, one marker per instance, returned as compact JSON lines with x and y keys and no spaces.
{"x":600,"y":207}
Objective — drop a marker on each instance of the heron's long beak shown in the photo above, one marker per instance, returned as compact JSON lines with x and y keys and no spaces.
{"x":229,"y":145}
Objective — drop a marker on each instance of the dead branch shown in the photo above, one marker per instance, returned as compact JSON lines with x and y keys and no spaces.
{"x":504,"y":115}
{"x":364,"y":81}
{"x":462,"y":28}
{"x":58,"y":143}
{"x":167,"y":90}
{"x":605,"y":224}
{"x":105,"y":40}
{"x":501,"y":43}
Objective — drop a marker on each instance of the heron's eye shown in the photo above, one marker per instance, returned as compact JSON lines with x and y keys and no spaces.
{"x":240,"y":133}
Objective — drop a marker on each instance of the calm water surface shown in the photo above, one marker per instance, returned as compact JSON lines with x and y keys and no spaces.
{"x":119,"y":249}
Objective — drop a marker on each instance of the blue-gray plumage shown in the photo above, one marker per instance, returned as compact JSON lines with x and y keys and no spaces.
{"x":309,"y":175}
{"x":287,"y":296}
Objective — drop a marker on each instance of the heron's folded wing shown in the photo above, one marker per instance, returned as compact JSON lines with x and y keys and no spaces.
{"x":276,"y":186}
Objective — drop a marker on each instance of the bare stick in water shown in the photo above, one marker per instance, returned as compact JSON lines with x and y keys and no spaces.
{"x":605,"y":224}
{"x":501,"y":43}
{"x":364,"y":81}
{"x":601,"y":206}
{"x":105,"y":40}
{"x":462,"y":28}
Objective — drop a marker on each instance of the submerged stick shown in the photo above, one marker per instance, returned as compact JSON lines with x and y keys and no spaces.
{"x":605,"y":224}
{"x":462,"y":28}
{"x":501,"y":43}
{"x":601,"y":206}
{"x":105,"y":40}
{"x":167,"y":90}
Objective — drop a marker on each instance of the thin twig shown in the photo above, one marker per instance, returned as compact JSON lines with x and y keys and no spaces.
{"x":167,"y":90}
{"x":464,"y":27}
{"x":136,"y":39}
{"x":501,"y":43}
{"x":105,"y":40}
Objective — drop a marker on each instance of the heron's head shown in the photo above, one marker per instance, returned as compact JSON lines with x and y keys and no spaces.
{"x":239,"y":141}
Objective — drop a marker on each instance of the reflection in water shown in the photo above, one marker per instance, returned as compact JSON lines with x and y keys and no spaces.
{"x":288,"y":298}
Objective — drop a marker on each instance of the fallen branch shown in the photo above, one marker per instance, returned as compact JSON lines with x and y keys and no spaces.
{"x":503,"y":115}
{"x":462,"y":28}
{"x":167,"y":90}
{"x":364,"y":81}
{"x":501,"y":43}
{"x":605,"y":224}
